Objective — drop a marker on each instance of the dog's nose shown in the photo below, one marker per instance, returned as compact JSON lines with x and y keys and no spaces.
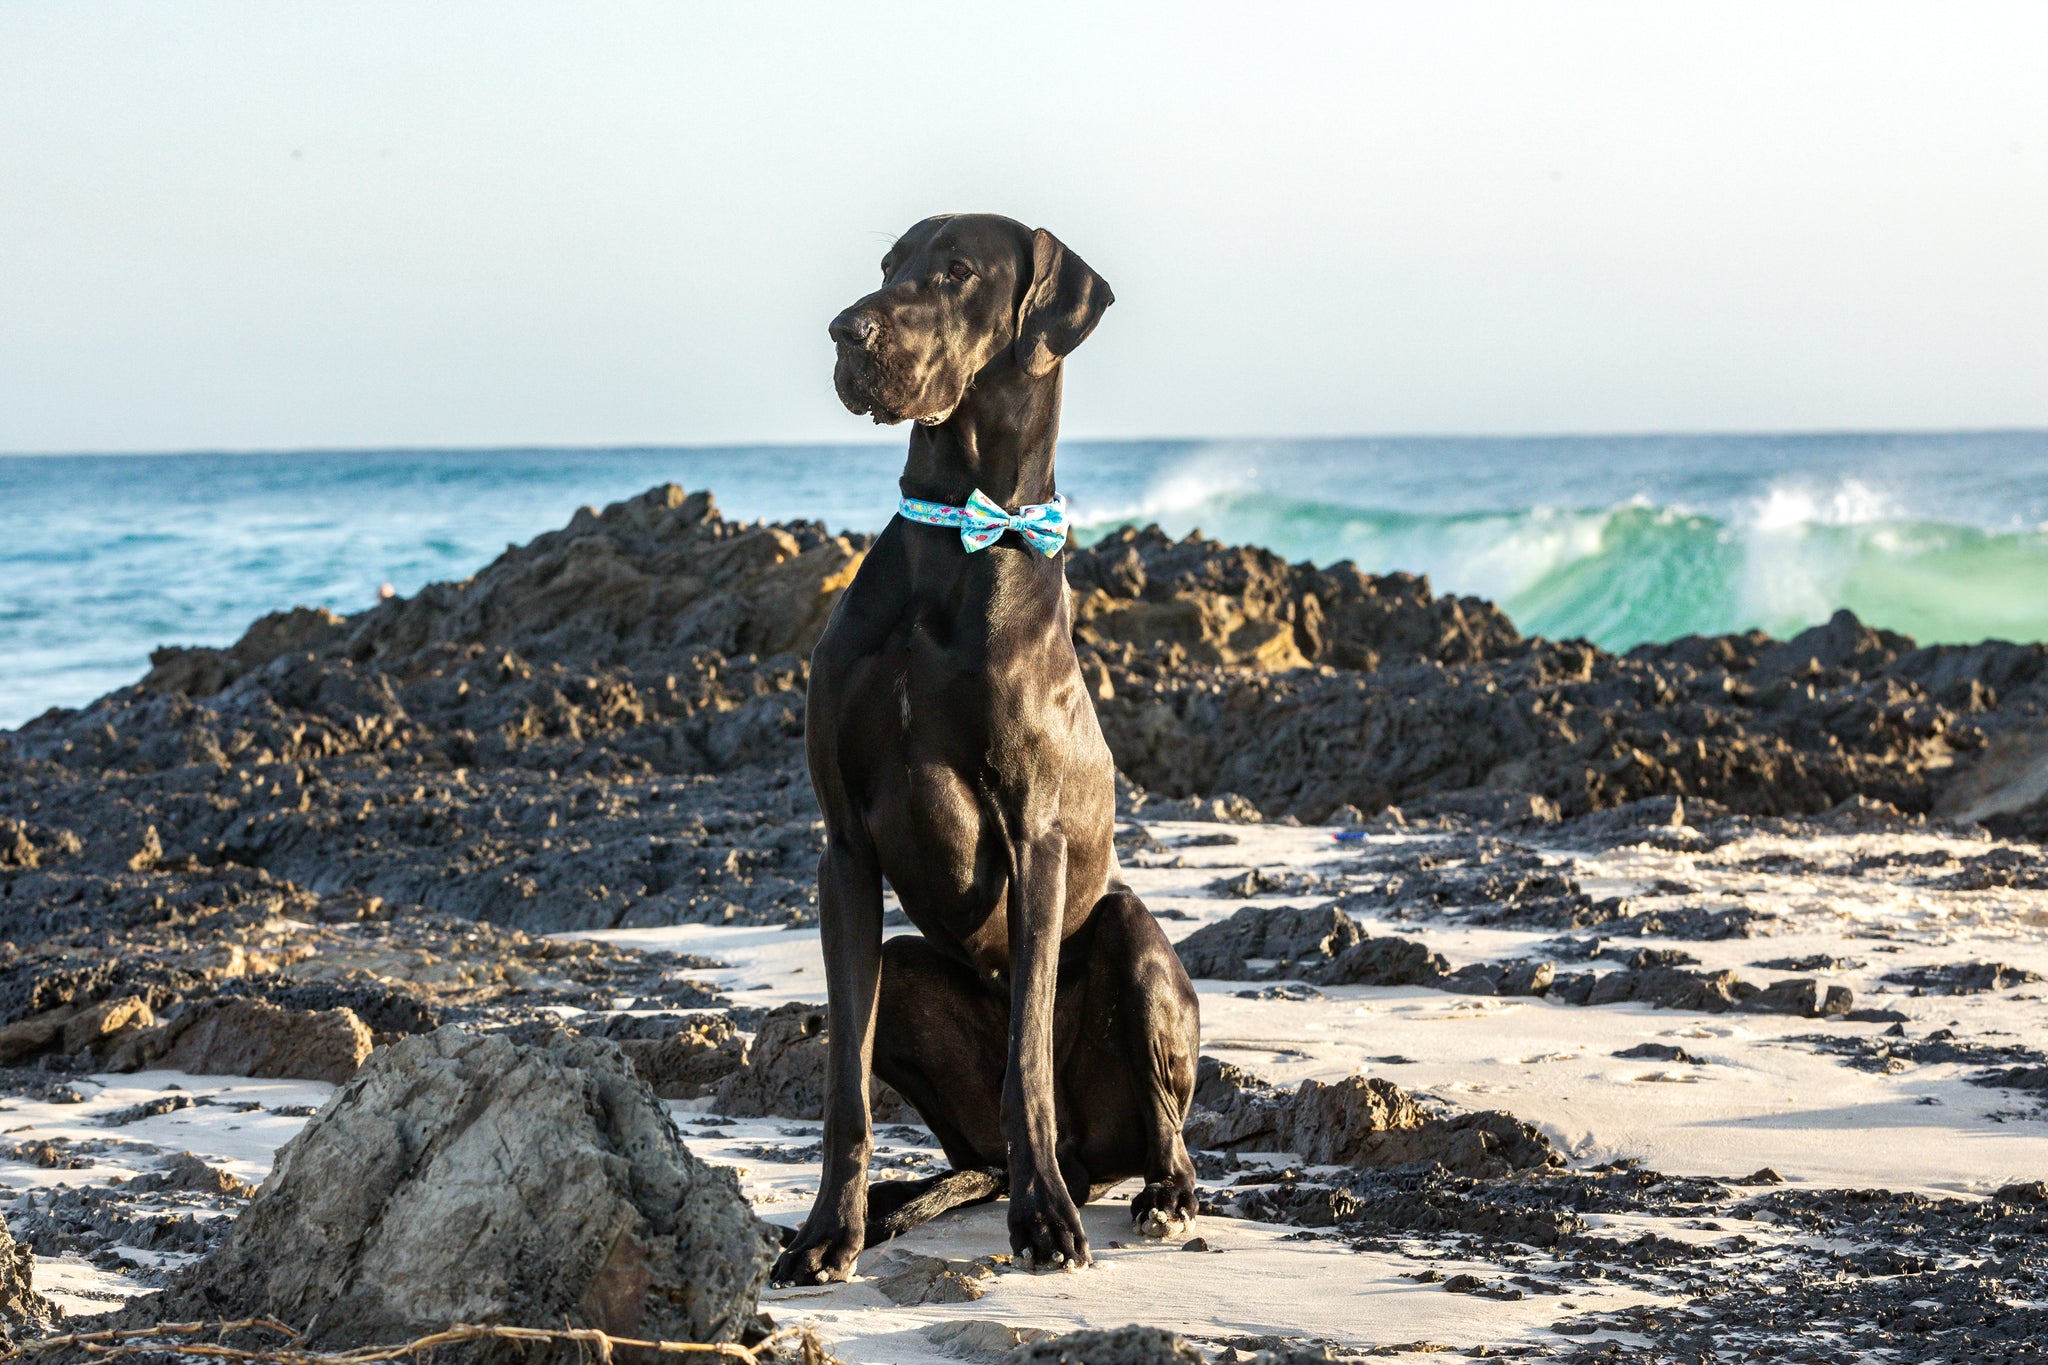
{"x":853,"y":328}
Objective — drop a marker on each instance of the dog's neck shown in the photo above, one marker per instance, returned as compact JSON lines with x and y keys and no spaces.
{"x":1000,"y":440}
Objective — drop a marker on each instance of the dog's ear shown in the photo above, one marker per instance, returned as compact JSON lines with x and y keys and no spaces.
{"x":1061,"y":307}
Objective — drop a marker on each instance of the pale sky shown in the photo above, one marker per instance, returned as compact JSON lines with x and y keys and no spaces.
{"x":268,"y":225}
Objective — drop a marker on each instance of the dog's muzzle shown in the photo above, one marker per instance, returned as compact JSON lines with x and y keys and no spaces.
{"x":857,"y":375}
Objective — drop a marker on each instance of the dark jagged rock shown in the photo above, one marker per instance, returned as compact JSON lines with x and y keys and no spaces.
{"x":680,"y":1058}
{"x":1708,"y":992}
{"x":1323,"y":946}
{"x":1480,"y":881}
{"x":1267,"y":881}
{"x":1114,"y":1346}
{"x":21,"y":1308}
{"x":1359,"y":1122}
{"x":2003,"y":1066}
{"x":601,"y":728}
{"x":1811,"y":962}
{"x":244,"y":1037}
{"x":1520,"y":977}
{"x":1673,"y":822}
{"x":1962,"y":978}
{"x":1290,"y":938}
{"x":236,"y":957}
{"x":784,"y":1073}
{"x":2000,"y":869}
{"x":1657,"y":1052}
{"x":1385,"y":960}
{"x":151,"y":1214}
{"x":1757,"y":726}
{"x":1142,"y":593}
{"x":1701,"y":924}
{"x":1639,"y":958}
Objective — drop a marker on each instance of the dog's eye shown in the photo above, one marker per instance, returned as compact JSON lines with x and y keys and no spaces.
{"x":959,"y":270}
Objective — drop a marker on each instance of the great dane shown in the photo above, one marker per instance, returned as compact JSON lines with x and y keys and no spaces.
{"x":1039,"y":1022}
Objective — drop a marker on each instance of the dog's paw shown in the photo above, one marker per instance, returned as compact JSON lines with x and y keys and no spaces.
{"x":813,"y":1261}
{"x":1161,"y":1224}
{"x":1164,"y":1209}
{"x":1045,"y":1230}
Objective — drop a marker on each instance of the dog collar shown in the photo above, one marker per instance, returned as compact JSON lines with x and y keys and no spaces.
{"x":982,"y":521}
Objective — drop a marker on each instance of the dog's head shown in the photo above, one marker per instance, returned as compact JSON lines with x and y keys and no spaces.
{"x":960,"y":293}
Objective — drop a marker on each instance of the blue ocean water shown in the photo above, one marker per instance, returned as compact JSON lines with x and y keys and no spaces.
{"x":1619,"y":539}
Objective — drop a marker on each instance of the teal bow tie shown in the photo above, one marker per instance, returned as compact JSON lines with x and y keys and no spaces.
{"x":982,"y":521}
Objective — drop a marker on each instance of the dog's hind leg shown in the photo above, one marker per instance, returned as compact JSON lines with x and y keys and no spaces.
{"x":1162,"y":1034}
{"x":940,"y":1037}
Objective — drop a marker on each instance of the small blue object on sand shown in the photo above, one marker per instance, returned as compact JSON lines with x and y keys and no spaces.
{"x":1348,"y":836}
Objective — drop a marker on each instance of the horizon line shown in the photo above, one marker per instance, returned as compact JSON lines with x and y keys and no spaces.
{"x":595,"y":448}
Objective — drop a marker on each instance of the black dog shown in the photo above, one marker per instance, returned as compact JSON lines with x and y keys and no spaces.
{"x":1041,"y":1023}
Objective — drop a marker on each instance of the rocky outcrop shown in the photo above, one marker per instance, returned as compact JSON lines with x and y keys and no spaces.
{"x":1962,"y":978}
{"x":1319,"y":944}
{"x":536,"y":746}
{"x":1142,"y":595}
{"x":244,"y":1037}
{"x":655,"y":578}
{"x":784,"y":1073}
{"x":1362,"y":1122}
{"x":1323,"y":946}
{"x":1280,"y":937}
{"x":530,"y":746}
{"x":1108,"y":1346}
{"x":468,"y":1179}
{"x":21,"y":1308}
{"x":1222,"y":668}
{"x":680,"y":1058}
{"x":1708,"y":992}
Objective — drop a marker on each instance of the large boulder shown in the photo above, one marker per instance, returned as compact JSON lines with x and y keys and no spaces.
{"x":1363,"y":1122}
{"x":242,"y":1036}
{"x":20,"y":1305}
{"x":1284,"y":938}
{"x":91,"y":1031}
{"x":1319,"y":944}
{"x":461,"y":1178}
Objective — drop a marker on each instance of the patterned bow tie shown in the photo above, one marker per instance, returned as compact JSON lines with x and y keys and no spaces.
{"x":982,"y":521}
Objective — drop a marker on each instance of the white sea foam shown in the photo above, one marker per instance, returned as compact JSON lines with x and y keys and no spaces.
{"x":1187,"y":489}
{"x":1792,"y":569}
{"x":1794,"y":504}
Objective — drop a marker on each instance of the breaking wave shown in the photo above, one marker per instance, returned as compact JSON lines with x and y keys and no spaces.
{"x":1624,"y":574}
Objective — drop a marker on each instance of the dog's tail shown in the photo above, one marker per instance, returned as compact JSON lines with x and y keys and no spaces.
{"x":897,"y":1206}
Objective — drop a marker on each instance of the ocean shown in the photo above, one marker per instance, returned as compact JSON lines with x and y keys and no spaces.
{"x":1619,"y":539}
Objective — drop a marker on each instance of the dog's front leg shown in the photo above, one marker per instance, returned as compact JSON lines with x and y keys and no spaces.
{"x":1044,"y":1224}
{"x":850,"y":927}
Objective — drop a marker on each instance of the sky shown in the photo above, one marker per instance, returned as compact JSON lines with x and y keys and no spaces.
{"x":263,"y":226}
